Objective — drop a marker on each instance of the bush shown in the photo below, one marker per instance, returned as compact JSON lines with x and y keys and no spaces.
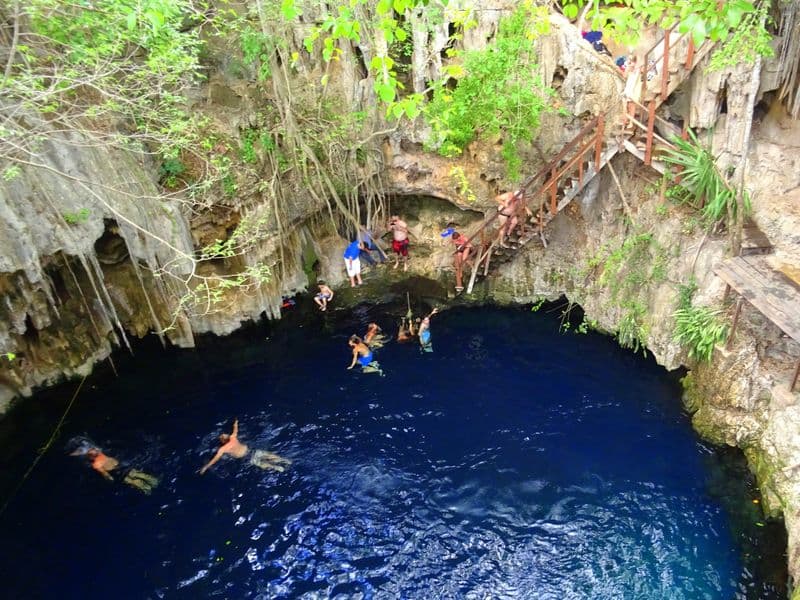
{"x":699,"y":329}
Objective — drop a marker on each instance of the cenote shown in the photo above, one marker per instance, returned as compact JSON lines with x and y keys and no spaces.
{"x":515,"y":461}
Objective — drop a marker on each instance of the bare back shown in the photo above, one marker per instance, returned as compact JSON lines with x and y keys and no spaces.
{"x":234,"y":447}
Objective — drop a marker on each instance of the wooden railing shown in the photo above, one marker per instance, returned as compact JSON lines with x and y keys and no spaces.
{"x":540,"y":192}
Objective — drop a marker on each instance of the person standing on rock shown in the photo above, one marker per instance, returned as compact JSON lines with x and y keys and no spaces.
{"x":399,"y":230}
{"x":352,"y":262}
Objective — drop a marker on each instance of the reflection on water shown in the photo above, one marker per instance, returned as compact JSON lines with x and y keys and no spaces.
{"x":514,"y":462}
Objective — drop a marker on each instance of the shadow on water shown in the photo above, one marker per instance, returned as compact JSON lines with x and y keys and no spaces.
{"x":513,"y":458}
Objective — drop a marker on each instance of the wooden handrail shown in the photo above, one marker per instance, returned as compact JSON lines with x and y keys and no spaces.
{"x":543,"y":171}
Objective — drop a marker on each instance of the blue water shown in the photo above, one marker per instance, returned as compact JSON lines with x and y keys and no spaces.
{"x":512,"y":462}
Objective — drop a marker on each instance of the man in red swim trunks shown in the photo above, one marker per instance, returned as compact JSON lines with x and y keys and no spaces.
{"x":399,"y":230}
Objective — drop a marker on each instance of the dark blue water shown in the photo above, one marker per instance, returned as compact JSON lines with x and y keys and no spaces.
{"x":513,"y":462}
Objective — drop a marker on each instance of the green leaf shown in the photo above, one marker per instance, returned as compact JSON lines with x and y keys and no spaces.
{"x":571,"y":11}
{"x":385,"y":91}
{"x":290,"y":10}
{"x":384,"y":7}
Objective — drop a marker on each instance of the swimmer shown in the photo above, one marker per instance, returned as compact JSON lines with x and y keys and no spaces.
{"x":111,"y":469}
{"x":406,"y":332}
{"x":232,"y":446}
{"x":425,"y":331}
{"x":324,"y":295}
{"x":363,"y":356}
{"x":374,"y":337}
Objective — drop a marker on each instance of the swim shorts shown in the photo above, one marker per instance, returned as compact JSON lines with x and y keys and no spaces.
{"x":400,"y":247}
{"x":353,"y":266}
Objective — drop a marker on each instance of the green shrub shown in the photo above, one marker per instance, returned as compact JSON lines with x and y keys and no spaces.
{"x":702,"y":186}
{"x":699,"y":329}
{"x":498,"y":93}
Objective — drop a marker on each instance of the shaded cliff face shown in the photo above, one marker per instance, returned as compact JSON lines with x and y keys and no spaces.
{"x":92,"y":250}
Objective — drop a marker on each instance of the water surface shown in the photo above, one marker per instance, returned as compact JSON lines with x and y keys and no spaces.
{"x":512,"y":462}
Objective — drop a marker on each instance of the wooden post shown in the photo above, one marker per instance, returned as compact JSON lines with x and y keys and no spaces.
{"x":690,"y":53}
{"x":727,"y":293}
{"x":796,"y":375}
{"x":598,"y":143}
{"x":735,"y":322}
{"x":651,"y":122}
{"x":541,"y":218}
{"x":665,"y":66}
{"x":553,"y":192}
{"x":580,"y":173}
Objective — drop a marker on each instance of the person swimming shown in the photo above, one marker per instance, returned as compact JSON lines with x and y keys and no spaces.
{"x":406,"y":331}
{"x":113,"y":470}
{"x":374,"y":337}
{"x":363,"y":356}
{"x":231,"y":445}
{"x":425,"y":332}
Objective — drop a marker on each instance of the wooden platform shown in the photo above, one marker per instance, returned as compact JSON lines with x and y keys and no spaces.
{"x":770,"y":291}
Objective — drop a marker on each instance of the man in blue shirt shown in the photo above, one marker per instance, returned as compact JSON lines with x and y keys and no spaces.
{"x":367,"y":246}
{"x":352,"y":262}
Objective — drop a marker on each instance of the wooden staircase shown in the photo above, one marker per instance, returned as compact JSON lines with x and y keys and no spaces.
{"x":638,"y":130}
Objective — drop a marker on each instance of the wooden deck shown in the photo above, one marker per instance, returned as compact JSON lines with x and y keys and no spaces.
{"x":770,"y":291}
{"x":774,"y":294}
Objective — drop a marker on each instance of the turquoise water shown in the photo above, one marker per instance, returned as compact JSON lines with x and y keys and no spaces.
{"x":512,"y":462}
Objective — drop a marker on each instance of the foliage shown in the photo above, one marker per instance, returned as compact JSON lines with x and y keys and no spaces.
{"x":703,"y":19}
{"x":9,"y":356}
{"x":344,"y":24}
{"x":631,"y":330}
{"x":700,"y":329}
{"x":627,"y":271}
{"x":247,"y":151}
{"x":111,"y":59}
{"x":498,"y":93}
{"x":247,"y":233}
{"x":256,"y":50}
{"x":538,"y":304}
{"x":748,"y":40}
{"x":704,"y":186}
{"x":686,"y":292}
{"x":462,"y":185}
{"x":81,"y":216}
{"x":170,"y":170}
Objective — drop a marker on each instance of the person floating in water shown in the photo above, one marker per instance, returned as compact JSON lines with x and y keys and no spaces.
{"x":363,"y":356}
{"x":406,"y":332}
{"x":374,"y":337}
{"x":110,"y":468}
{"x":324,"y":295}
{"x":425,"y":332}
{"x":231,"y":445}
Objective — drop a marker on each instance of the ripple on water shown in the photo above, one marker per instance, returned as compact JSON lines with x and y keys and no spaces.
{"x":499,"y":466}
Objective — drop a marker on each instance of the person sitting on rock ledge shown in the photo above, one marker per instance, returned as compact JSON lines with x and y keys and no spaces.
{"x":324,"y":295}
